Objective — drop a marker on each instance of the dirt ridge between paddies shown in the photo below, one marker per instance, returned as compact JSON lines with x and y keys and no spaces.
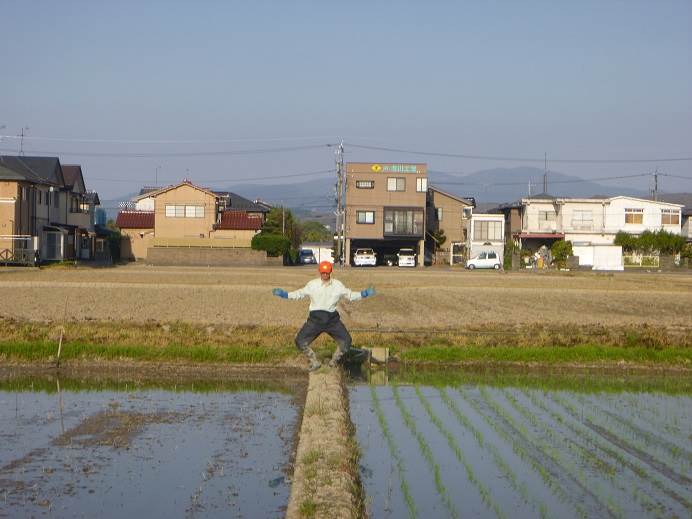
{"x":326,"y":480}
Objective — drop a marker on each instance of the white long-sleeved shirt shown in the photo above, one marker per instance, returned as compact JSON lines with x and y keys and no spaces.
{"x":324,"y":296}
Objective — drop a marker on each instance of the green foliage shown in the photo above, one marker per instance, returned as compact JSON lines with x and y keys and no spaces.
{"x":438,"y":237}
{"x":273,"y":244}
{"x":662,"y":242}
{"x":113,"y":239}
{"x":282,"y":222}
{"x":561,"y":250}
{"x":315,"y":231}
{"x":687,"y":251}
{"x":626,"y":241}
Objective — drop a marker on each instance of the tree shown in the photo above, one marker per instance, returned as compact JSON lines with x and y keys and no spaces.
{"x":315,"y":231}
{"x":273,"y":244}
{"x":648,"y":242}
{"x":560,"y":251}
{"x":282,"y":222}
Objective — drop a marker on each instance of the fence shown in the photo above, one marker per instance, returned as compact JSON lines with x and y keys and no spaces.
{"x":18,"y":250}
{"x":641,"y":260}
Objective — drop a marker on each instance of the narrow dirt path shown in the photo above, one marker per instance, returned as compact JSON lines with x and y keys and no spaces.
{"x":325,"y":478}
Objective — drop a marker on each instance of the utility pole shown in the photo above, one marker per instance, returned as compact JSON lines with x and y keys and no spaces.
{"x":283,"y":219}
{"x":340,"y":185}
{"x":655,"y":193}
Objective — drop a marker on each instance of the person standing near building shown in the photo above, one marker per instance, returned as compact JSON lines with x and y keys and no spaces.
{"x":324,"y":293}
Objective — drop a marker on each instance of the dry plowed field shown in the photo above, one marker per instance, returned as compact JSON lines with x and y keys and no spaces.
{"x":406,"y":298}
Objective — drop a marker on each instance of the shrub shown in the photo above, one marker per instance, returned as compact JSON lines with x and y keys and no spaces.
{"x":561,"y":250}
{"x":273,"y":244}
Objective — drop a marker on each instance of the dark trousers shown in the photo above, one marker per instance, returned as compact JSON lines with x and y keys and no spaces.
{"x":320,"y":321}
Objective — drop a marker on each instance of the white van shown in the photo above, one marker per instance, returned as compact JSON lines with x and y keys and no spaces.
{"x":484,"y":260}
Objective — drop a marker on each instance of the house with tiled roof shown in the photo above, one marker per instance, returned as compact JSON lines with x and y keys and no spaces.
{"x":46,"y":211}
{"x":185,"y":215}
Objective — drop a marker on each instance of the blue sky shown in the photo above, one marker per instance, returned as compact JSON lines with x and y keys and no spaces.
{"x":589,"y":79}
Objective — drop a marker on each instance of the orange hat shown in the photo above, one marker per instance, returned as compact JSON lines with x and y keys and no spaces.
{"x":325,"y":266}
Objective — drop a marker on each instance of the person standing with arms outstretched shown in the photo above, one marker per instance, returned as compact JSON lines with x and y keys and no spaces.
{"x":324,"y":293}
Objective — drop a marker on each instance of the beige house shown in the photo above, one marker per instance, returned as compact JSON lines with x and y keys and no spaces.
{"x":137,"y":234}
{"x":45,"y":211}
{"x":186,"y":216}
{"x":451,"y":214}
{"x":385,"y":208}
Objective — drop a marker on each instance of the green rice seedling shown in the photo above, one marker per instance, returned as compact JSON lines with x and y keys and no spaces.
{"x":518,"y":486}
{"x":554,"y":455}
{"x":634,"y":446}
{"x":631,"y":463}
{"x":577,"y":449}
{"x":674,"y":452}
{"x":524,"y":455}
{"x":394,"y":453}
{"x":425,"y":450}
{"x":486,"y":496}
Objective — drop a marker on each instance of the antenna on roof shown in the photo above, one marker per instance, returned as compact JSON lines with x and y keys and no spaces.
{"x":21,"y":141}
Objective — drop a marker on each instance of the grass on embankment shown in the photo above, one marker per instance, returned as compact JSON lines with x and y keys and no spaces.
{"x":492,"y":343}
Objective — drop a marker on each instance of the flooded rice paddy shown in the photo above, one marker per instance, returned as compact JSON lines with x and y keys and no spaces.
{"x":556,"y":446}
{"x":196,"y":449}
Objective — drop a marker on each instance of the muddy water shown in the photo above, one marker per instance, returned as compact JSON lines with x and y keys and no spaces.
{"x":143,"y":450}
{"x":551,"y":445}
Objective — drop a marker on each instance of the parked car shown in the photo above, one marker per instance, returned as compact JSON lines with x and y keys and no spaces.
{"x":484,"y":260}
{"x":306,"y":257}
{"x":406,"y":258}
{"x":390,"y":259}
{"x":364,"y":257}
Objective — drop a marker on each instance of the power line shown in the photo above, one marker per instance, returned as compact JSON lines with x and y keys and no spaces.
{"x":674,"y":176}
{"x":246,"y":179}
{"x":572,"y":181}
{"x":160,"y":141}
{"x":257,"y":151}
{"x":517,"y":159}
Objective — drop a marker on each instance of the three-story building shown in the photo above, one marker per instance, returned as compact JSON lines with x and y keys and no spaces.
{"x":385,"y":208}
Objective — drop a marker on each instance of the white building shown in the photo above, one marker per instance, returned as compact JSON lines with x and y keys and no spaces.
{"x":588,"y":222}
{"x":487,"y":232}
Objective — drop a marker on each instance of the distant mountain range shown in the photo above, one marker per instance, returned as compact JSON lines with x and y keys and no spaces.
{"x":315,"y":198}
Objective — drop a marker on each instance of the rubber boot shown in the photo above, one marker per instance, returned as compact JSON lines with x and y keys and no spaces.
{"x":336,"y":358}
{"x":314,"y":363}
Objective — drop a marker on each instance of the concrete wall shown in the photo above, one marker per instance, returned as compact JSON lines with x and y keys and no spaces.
{"x":233,"y":238}
{"x":134,"y":243}
{"x":184,"y":256}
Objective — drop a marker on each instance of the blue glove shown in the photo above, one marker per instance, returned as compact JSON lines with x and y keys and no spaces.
{"x":280,"y":292}
{"x":370,"y":291}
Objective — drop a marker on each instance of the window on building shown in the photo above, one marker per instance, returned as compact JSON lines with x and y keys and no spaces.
{"x":403,"y":222}
{"x":546,"y":216}
{"x":365,"y":217}
{"x":56,"y":200}
{"x":396,"y":184}
{"x":439,"y":214}
{"x":487,"y":231}
{"x":466,"y":212}
{"x":365,"y":184}
{"x":670,"y":217}
{"x":184,"y":211}
{"x":582,"y":219}
{"x":23,"y":192}
{"x":634,"y":216}
{"x":421,"y":185}
{"x":194,"y":211}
